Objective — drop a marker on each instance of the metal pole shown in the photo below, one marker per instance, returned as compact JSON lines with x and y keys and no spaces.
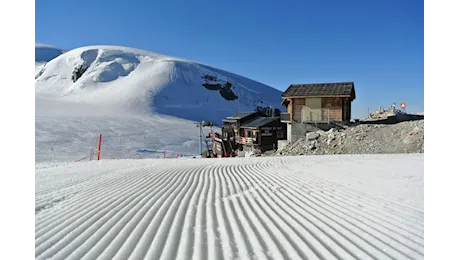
{"x":99,"y":148}
{"x":238,"y":112}
{"x":201,"y":139}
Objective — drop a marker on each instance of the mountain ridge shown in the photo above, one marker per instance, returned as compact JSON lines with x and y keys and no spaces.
{"x":146,"y":81}
{"x":45,"y":52}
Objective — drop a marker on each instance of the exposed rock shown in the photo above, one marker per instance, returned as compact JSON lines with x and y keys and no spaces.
{"x":405,"y":137}
{"x":78,"y":72}
{"x":312,"y":136}
{"x":225,"y":90}
{"x":321,"y":132}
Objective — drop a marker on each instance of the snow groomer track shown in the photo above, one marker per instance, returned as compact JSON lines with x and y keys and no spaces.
{"x":318,"y":207}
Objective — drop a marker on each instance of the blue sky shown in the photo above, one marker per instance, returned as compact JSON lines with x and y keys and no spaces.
{"x":377,"y":44}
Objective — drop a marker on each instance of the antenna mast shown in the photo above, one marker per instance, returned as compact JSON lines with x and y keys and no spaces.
{"x":238,"y":112}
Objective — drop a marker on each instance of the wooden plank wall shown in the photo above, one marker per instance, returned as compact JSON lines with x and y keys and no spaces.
{"x":289,"y":109}
{"x":335,"y":108}
{"x":349,"y":108}
{"x":346,"y":109}
{"x":298,"y":103}
{"x":340,"y":108}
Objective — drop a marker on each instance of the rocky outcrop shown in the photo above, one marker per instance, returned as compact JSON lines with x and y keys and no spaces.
{"x":78,"y":72}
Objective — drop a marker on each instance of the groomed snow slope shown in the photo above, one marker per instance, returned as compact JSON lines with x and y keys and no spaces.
{"x":322,"y":207}
{"x":138,"y":80}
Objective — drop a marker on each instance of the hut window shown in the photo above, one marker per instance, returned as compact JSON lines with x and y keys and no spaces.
{"x":332,"y":102}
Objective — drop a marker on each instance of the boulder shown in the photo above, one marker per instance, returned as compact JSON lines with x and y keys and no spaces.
{"x":312,"y":136}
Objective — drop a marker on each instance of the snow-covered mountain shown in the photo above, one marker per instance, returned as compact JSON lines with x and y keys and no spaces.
{"x":45,"y":53}
{"x":138,"y":80}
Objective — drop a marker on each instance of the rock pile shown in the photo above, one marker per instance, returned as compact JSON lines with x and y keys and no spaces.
{"x":405,"y":137}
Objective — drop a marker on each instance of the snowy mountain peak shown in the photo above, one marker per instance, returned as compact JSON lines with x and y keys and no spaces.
{"x":146,"y":81}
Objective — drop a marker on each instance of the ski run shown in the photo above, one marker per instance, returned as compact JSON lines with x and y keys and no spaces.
{"x":306,"y":207}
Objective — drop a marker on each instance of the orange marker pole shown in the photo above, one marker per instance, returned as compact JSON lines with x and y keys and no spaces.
{"x":99,"y":148}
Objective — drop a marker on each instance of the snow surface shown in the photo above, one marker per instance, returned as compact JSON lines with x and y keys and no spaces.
{"x":68,"y":131}
{"x":137,"y":80}
{"x":318,"y":207}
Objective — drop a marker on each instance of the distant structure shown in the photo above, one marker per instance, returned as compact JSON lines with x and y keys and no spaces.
{"x":322,"y":105}
{"x":391,"y":115}
{"x":261,"y":128}
{"x":253,"y":132}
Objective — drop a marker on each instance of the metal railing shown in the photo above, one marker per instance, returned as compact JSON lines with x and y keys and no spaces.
{"x":315,"y":115}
